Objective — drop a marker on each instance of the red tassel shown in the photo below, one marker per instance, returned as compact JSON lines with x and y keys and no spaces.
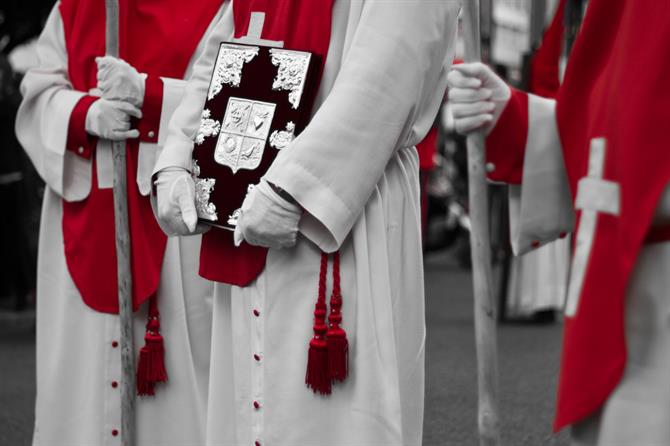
{"x":317,"y":376}
{"x":151,"y":363}
{"x":338,"y":345}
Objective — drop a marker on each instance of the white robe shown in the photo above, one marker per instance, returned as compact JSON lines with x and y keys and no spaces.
{"x":539,"y":279}
{"x":355,"y":172}
{"x":78,"y":366}
{"x":638,"y":410}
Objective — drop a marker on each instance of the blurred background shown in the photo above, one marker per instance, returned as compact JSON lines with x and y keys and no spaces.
{"x":528,"y":43}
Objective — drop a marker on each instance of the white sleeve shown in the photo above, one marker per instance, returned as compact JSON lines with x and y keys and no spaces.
{"x":43,"y":117}
{"x":541,"y":209}
{"x":185,"y":120}
{"x":385,"y":97}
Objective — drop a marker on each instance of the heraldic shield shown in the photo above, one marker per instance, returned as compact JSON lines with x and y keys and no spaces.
{"x":259,"y":100}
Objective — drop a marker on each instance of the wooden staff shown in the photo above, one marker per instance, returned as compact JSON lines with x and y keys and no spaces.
{"x":484,"y":313}
{"x":124,"y":275}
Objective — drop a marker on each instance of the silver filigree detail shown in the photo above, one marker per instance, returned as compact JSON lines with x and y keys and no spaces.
{"x":208,"y":127}
{"x":228,"y":67}
{"x":235,"y":216}
{"x":280,"y":139}
{"x":291,"y":74}
{"x":245,"y":130}
{"x":203,"y":192}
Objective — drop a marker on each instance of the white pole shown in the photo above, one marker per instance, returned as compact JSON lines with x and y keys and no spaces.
{"x":484,"y":308}
{"x":124,"y":275}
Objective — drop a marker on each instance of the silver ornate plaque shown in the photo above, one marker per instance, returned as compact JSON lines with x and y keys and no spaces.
{"x":208,"y":127}
{"x":203,"y":191}
{"x":228,"y":67}
{"x":244,"y":132}
{"x":282,"y":138}
{"x":291,"y":73}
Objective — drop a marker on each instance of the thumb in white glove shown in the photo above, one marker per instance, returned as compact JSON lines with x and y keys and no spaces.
{"x":111,"y":120}
{"x":175,"y":202}
{"x":118,"y":80}
{"x":477,"y":97}
{"x":267,"y":219}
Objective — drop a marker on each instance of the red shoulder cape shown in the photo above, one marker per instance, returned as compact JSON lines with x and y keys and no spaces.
{"x":157,"y":38}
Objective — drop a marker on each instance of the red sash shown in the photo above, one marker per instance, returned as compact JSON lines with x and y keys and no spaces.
{"x":302,"y":25}
{"x":157,"y":37}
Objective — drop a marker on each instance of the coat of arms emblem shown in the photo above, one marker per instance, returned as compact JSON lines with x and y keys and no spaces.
{"x":245,"y":130}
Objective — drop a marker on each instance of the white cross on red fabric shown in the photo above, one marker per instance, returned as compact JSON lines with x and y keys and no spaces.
{"x":594,"y":196}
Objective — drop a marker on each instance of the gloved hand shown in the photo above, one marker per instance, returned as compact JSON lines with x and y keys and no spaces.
{"x":477,"y":97}
{"x":175,"y":200}
{"x":267,"y":219}
{"x":111,"y":120}
{"x":120,"y":81}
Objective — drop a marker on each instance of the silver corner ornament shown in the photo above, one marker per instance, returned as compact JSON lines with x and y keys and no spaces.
{"x":228,"y":67}
{"x":291,"y":73}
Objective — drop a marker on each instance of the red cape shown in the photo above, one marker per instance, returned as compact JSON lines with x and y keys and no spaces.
{"x":545,"y":76}
{"x":614,"y":87}
{"x":157,"y":38}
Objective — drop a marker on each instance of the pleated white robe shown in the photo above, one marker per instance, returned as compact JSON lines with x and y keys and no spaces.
{"x":539,"y":280}
{"x":78,"y":357}
{"x":638,"y":410}
{"x":355,"y":172}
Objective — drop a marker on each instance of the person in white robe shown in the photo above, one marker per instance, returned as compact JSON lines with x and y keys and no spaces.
{"x":353,"y":173}
{"x":78,"y":349}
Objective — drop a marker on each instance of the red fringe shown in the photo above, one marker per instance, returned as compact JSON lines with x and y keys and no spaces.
{"x":318,"y":376}
{"x":338,"y":355}
{"x":151,"y":363}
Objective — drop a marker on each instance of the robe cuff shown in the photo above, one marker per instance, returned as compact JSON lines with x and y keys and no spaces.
{"x":149,"y":125}
{"x":506,"y":144}
{"x":327,"y":220}
{"x":78,"y":140}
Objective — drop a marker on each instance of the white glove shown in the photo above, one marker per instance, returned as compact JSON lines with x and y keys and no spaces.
{"x":477,"y":97}
{"x":118,"y":80}
{"x":267,"y":219}
{"x":111,"y":120}
{"x":175,"y":200}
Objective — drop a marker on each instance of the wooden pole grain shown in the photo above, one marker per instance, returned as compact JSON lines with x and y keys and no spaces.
{"x":122,"y":233}
{"x":484,"y":306}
